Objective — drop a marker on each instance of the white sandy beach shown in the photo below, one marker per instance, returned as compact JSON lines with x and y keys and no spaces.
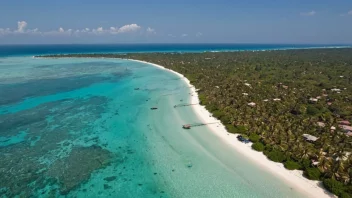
{"x":293,"y":178}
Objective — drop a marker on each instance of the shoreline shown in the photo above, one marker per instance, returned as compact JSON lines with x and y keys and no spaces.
{"x":193,"y":51}
{"x":293,"y":178}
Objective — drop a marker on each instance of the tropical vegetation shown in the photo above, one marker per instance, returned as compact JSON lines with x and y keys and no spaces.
{"x":274,"y":97}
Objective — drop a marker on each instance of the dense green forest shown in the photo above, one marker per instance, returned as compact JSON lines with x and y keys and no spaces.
{"x":274,"y":97}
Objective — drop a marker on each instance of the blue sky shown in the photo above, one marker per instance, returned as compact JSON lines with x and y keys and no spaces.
{"x":163,"y":21}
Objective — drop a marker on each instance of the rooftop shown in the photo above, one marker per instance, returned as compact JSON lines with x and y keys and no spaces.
{"x":344,"y":122}
{"x":313,"y":99}
{"x":321,"y":124}
{"x":252,"y":104}
{"x":310,"y":137}
{"x":346,"y":128}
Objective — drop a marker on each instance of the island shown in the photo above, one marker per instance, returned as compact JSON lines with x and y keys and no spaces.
{"x":295,"y":106}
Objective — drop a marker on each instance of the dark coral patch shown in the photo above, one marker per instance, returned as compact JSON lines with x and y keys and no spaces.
{"x":109,"y":179}
{"x":77,"y":167}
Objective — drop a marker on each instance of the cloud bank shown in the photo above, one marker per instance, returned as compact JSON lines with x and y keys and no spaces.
{"x":22,"y":29}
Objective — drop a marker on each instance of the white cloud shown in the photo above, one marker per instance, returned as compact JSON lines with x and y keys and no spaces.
{"x":85,"y":30}
{"x":129,"y":28}
{"x":199,"y":34}
{"x":311,"y":13}
{"x":36,"y":30}
{"x":124,"y":29}
{"x":22,"y":29}
{"x":21,"y":26}
{"x":114,"y":30}
{"x":100,"y":29}
{"x":4,"y":31}
{"x":184,"y":35}
{"x":151,"y":30}
{"x":350,"y":12}
{"x":60,"y":32}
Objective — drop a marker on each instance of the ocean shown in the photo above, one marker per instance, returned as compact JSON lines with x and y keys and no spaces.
{"x":31,"y":50}
{"x":85,"y":128}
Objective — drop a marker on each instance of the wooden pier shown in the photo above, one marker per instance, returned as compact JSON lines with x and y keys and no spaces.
{"x":189,"y":126}
{"x":184,"y":105}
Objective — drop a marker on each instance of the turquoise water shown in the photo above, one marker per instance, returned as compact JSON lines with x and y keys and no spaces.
{"x":84,"y":128}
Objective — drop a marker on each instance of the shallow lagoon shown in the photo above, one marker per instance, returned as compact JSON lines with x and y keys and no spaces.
{"x":79,"y":128}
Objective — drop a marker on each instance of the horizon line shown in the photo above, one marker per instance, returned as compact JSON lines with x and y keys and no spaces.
{"x":215,"y":43}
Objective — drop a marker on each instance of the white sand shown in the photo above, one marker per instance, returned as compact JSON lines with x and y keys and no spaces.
{"x":293,"y":178}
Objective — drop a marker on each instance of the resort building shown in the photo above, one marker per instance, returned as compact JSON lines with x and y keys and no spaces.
{"x":321,"y":124}
{"x":313,"y":100}
{"x":252,"y":104}
{"x":346,"y":128}
{"x":344,"y":122}
{"x":310,"y":138}
{"x":315,"y":163}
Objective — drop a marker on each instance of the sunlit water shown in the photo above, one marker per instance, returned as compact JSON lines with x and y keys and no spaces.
{"x":84,"y":128}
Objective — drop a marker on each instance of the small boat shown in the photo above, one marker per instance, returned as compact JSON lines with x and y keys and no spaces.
{"x":154,"y":108}
{"x":186,"y":126}
{"x":136,"y":88}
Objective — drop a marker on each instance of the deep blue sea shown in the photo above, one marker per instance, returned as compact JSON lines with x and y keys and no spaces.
{"x":85,"y":128}
{"x":31,"y":50}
